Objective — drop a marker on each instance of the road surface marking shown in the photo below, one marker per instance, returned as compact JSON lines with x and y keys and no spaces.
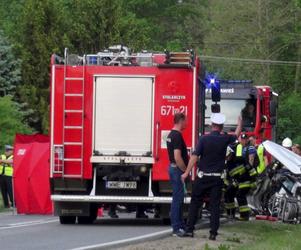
{"x":125,"y":241}
{"x":26,"y":224}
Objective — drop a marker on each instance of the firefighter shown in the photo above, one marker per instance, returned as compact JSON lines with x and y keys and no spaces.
{"x":212,"y":152}
{"x":231,"y":186}
{"x":244,"y":173}
{"x":262,"y":181}
{"x":261,"y":153}
{"x":6,"y":169}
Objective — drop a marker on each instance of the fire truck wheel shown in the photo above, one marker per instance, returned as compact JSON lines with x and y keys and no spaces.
{"x":88,"y":219}
{"x":85,"y":220}
{"x":67,"y":219}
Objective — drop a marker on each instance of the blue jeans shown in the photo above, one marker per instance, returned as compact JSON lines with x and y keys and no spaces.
{"x":176,"y":209}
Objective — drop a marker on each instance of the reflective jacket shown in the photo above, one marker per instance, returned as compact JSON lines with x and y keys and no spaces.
{"x":260,"y":153}
{"x":239,"y":168}
{"x":7,"y":169}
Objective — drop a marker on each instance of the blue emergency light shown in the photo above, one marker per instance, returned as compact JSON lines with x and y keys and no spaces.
{"x":213,"y":83}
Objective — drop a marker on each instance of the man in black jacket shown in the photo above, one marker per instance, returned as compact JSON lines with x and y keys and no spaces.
{"x":211,"y":149}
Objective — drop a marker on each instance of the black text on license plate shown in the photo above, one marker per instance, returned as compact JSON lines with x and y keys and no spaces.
{"x":121,"y":185}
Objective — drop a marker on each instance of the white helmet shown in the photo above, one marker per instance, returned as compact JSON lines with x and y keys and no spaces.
{"x":287,"y":143}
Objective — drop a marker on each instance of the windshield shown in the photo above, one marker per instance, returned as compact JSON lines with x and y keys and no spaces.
{"x":231,"y":108}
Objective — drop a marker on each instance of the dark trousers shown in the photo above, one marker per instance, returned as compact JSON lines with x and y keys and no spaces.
{"x":242,"y":201}
{"x":6,"y":186}
{"x":208,"y":184}
{"x":230,"y":195}
{"x":176,"y":208}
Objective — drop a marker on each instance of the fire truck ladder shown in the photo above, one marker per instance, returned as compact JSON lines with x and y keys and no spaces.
{"x":79,"y":128}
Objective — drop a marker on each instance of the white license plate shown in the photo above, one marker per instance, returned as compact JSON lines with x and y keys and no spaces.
{"x":121,"y":185}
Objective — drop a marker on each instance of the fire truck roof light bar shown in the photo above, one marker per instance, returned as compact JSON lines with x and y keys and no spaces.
{"x":114,"y":199}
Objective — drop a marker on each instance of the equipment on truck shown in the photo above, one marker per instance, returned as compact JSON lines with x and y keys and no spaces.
{"x":110,"y":115}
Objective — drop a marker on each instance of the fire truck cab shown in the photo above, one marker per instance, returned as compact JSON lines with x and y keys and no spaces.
{"x":110,"y":115}
{"x":257,"y":106}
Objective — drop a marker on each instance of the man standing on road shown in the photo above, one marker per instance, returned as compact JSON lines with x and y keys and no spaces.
{"x":6,"y":167}
{"x":178,"y":157}
{"x":211,"y":149}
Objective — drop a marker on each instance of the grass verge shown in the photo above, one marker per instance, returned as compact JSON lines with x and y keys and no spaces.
{"x":253,"y":235}
{"x":261,"y":235}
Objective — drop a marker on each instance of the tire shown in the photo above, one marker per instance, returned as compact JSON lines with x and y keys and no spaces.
{"x":67,"y":220}
{"x":84,"y":220}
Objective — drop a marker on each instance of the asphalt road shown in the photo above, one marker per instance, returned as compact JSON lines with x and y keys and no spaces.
{"x":18,"y":232}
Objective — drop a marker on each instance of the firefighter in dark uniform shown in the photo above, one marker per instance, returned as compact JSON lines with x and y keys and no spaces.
{"x":242,"y":163}
{"x":231,"y":185}
{"x":211,"y":149}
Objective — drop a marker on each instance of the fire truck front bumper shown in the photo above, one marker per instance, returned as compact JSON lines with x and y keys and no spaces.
{"x":114,"y":199}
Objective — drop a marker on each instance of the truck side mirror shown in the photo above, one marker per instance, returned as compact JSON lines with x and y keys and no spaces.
{"x":273,"y":120}
{"x":215,"y":108}
{"x":215,"y":91}
{"x":273,"y":108}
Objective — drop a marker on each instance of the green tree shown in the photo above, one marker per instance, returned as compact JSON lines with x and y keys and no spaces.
{"x":10,"y":73}
{"x":289,"y":117}
{"x":11,"y":122}
{"x":173,"y":25}
{"x":41,"y":32}
{"x":263,"y":29}
{"x":94,"y":25}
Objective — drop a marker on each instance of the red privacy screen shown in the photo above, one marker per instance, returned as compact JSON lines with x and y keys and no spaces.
{"x":31,"y":174}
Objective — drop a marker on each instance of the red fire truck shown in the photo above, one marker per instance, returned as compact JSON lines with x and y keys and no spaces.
{"x":110,"y":115}
{"x":239,"y":97}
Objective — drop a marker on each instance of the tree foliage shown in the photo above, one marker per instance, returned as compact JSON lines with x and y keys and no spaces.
{"x":10,"y":74}
{"x":12,"y":121}
{"x":289,"y":111}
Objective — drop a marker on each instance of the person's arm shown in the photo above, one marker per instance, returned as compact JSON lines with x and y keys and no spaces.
{"x":265,"y":157}
{"x":193,"y":160}
{"x":251,"y":159}
{"x":238,"y":127}
{"x":266,"y":161}
{"x":179,"y":160}
{"x":7,"y":161}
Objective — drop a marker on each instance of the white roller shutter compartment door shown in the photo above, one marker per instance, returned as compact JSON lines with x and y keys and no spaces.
{"x":123,"y":115}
